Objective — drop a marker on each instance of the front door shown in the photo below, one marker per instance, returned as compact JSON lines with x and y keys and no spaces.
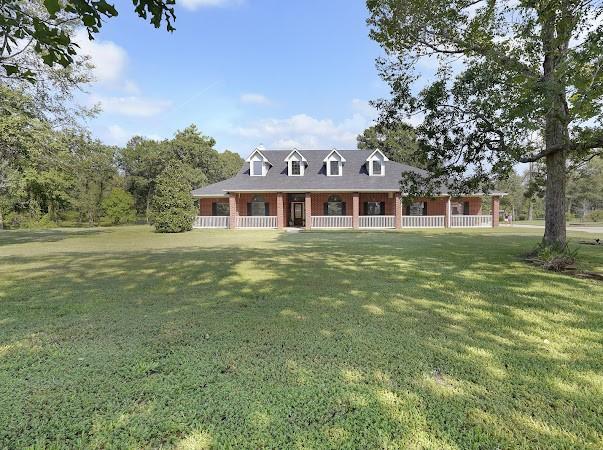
{"x":297,"y":214}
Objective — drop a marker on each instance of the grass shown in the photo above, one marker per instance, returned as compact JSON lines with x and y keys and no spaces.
{"x":122,"y":338}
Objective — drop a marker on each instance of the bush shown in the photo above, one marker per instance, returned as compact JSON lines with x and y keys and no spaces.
{"x":554,"y":257}
{"x":173,"y":208}
{"x":119,"y":207}
{"x":596,"y":216}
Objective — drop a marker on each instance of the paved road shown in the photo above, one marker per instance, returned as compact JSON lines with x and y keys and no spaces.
{"x":593,"y":230}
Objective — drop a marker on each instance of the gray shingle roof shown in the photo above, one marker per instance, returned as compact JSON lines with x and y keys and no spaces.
{"x":354,"y":176}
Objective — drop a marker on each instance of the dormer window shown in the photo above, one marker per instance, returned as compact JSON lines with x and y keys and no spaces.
{"x":334,"y":163}
{"x":376,"y":163}
{"x":295,"y":168}
{"x":258,"y":163}
{"x":377,"y":167}
{"x":334,"y":168}
{"x":296,"y":164}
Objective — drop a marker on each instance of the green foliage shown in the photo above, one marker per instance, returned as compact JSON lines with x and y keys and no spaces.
{"x":173,"y":206}
{"x":261,"y":339}
{"x":119,"y":207}
{"x":596,"y":216}
{"x":398,"y":143}
{"x":42,"y":26}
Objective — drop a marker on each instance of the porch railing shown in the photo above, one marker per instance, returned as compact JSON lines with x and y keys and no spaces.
{"x":257,"y":222}
{"x":331,"y":221}
{"x":422,"y":221}
{"x":470,"y":221}
{"x":211,"y":222}
{"x":377,"y":221}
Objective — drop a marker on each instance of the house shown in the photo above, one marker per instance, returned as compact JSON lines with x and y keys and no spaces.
{"x":329,"y":189}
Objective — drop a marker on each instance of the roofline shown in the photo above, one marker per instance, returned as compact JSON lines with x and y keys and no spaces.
{"x":385,"y":158}
{"x":257,"y":150}
{"x":295,"y":151}
{"x":331,"y":152}
{"x":288,"y":191}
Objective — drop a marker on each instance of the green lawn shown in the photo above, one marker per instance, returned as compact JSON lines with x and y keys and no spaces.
{"x":122,"y":338}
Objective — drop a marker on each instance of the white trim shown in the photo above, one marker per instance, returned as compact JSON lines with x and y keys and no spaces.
{"x":257,"y":150}
{"x":341,"y":158}
{"x":385,"y":158}
{"x":298,"y":152}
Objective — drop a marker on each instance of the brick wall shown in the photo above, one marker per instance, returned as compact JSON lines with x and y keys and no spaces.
{"x":270,"y":198}
{"x":390,"y":205}
{"x":319,"y":199}
{"x":437,"y":206}
{"x":205,"y":205}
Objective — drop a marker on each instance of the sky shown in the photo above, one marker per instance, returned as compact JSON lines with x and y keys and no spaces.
{"x":247,"y":72}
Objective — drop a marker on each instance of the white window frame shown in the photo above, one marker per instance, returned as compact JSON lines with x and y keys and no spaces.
{"x":334,"y":156}
{"x":255,"y":157}
{"x":377,"y":155}
{"x":295,"y":155}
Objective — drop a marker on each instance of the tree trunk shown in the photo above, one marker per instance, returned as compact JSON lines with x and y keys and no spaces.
{"x":531,"y":210}
{"x":556,"y":129}
{"x":1,"y":220}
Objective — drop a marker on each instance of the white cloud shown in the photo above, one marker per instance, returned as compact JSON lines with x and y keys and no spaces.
{"x":108,"y":58}
{"x":304,"y":131}
{"x":255,"y":99}
{"x":117,"y":135}
{"x":196,"y":4}
{"x":131,"y":106}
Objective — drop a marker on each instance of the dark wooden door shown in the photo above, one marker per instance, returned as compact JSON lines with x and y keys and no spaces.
{"x":297,"y":214}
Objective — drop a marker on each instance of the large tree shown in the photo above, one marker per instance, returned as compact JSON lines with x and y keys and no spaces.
{"x":398,"y":142}
{"x":518,"y":81}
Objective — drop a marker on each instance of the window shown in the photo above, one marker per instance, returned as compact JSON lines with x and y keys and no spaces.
{"x":334,"y":206}
{"x":377,"y":167}
{"x":417,"y":209}
{"x":459,"y":209}
{"x":295,"y":168}
{"x":374,"y":208}
{"x":257,"y":167}
{"x":220,"y":209}
{"x":257,"y":206}
{"x":334,"y":167}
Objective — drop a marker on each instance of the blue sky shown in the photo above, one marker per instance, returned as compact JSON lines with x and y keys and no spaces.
{"x":281,"y":73}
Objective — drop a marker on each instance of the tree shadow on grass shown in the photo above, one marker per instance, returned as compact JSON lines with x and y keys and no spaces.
{"x":363,"y":340}
{"x":11,"y":237}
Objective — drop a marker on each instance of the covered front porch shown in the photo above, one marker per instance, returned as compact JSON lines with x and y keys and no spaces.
{"x":341,"y":210}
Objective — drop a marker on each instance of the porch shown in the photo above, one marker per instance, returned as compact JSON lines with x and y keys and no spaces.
{"x":345,"y":210}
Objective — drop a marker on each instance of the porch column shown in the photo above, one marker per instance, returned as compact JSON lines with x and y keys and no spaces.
{"x":448,"y":211}
{"x":397,"y":210}
{"x":355,"y":209}
{"x":495,"y":210}
{"x":308,"y":207}
{"x":234,"y":211}
{"x":280,"y":210}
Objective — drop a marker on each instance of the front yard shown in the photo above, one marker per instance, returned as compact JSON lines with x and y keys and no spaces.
{"x":430,"y":339}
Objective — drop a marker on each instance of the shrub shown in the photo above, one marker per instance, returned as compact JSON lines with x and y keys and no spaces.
{"x":119,"y":207}
{"x":172,"y":205}
{"x":554,"y":257}
{"x":596,"y":216}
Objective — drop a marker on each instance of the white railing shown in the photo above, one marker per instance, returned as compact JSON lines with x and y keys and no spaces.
{"x":470,"y":221}
{"x":257,"y":222}
{"x":211,"y":222}
{"x":422,"y":221}
{"x":377,"y":221}
{"x":331,"y":221}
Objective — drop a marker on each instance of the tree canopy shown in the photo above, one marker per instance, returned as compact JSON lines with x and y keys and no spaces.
{"x":398,"y":142}
{"x":44,"y":26}
{"x":516,"y":82}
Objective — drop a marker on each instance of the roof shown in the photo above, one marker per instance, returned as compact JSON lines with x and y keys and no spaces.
{"x":355,"y":177}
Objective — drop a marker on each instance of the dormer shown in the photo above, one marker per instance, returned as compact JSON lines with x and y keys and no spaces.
{"x":334,"y":162}
{"x":296,"y":164}
{"x":258,"y":163}
{"x":375,"y":163}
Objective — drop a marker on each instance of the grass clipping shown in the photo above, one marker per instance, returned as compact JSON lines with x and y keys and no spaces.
{"x":555,"y":257}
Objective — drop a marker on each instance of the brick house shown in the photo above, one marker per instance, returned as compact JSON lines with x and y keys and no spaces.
{"x":329,"y":189}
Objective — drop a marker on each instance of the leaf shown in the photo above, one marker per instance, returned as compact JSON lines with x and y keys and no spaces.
{"x":52,"y":6}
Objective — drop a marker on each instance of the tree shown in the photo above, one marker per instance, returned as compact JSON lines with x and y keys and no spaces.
{"x":515,"y":199}
{"x":517,"y":82}
{"x":230,"y":164}
{"x":44,"y":27}
{"x":119,"y":206}
{"x":173,"y":206}
{"x":398,"y":142}
{"x":585,"y":188}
